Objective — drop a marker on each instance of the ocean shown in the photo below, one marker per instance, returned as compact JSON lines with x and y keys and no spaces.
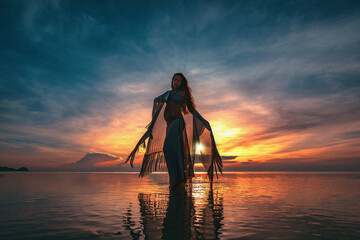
{"x":239,"y":205}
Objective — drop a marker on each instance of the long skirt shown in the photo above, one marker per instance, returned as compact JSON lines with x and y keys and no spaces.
{"x":175,"y":148}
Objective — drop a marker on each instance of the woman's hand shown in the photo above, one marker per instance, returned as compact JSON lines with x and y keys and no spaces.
{"x":207,"y":125}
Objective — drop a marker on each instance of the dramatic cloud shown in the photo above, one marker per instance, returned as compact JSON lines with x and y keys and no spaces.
{"x":276,"y":80}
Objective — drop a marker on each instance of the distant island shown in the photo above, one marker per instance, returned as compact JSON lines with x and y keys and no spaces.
{"x":7,"y":169}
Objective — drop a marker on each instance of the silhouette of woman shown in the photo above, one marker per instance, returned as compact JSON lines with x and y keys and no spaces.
{"x":177,"y":138}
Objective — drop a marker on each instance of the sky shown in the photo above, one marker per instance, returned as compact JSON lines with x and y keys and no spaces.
{"x":279,"y":81}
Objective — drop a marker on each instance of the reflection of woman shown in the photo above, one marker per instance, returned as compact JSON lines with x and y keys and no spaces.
{"x":175,"y":139}
{"x":176,"y":216}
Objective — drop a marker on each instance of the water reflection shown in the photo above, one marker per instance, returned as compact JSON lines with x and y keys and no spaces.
{"x":122,"y":206}
{"x":194,"y":212}
{"x":130,"y":225}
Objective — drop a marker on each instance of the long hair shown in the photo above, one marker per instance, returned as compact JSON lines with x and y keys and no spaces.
{"x":189,"y":101}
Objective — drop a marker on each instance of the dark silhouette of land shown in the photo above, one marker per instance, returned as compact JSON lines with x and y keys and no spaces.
{"x":7,"y":169}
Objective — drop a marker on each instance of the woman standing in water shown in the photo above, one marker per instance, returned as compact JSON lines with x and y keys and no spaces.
{"x":175,"y":139}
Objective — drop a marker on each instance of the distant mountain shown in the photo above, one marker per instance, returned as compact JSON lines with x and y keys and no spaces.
{"x":93,"y":162}
{"x":7,"y":169}
{"x":23,"y":169}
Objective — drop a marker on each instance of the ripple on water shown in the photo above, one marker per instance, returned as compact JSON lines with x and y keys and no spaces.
{"x":123,"y":206}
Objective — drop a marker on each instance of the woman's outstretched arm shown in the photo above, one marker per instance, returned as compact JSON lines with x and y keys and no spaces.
{"x":161,"y":98}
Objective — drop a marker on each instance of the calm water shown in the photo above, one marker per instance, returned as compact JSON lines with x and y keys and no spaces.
{"x":277,"y":205}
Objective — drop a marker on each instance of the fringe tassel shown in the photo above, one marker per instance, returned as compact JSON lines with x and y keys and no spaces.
{"x":216,"y":159}
{"x":131,"y":157}
{"x":156,"y":111}
{"x":153,"y":162}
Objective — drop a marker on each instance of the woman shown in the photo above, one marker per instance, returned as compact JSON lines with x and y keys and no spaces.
{"x":176,"y":138}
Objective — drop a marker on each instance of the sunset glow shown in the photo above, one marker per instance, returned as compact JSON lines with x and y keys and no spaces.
{"x":279,"y":93}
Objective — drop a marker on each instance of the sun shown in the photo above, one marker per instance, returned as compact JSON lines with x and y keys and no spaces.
{"x":199,"y":148}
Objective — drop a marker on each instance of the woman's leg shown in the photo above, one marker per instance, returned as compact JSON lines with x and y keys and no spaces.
{"x":173,"y":152}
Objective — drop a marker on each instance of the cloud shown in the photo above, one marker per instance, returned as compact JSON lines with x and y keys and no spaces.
{"x":93,"y":162}
{"x":229,"y":159}
{"x":299,"y":164}
{"x":82,"y":79}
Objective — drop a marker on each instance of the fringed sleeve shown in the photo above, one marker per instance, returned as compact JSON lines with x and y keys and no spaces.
{"x":157,"y":106}
{"x":205,"y":146}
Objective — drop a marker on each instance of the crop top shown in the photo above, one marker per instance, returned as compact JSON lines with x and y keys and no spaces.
{"x":176,"y":97}
{"x":174,"y":111}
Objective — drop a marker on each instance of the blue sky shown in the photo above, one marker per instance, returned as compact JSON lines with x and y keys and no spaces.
{"x":72,"y":73}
